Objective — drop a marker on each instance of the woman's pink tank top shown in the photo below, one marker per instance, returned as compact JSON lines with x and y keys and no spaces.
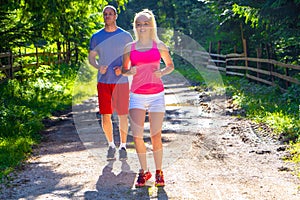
{"x":146,"y":62}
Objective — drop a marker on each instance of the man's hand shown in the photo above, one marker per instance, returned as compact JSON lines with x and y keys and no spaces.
{"x":103,"y":69}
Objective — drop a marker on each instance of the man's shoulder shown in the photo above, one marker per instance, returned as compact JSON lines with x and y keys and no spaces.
{"x":99,"y":32}
{"x":121,"y":30}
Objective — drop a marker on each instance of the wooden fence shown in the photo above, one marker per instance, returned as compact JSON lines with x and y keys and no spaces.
{"x":267,"y":71}
{"x":10,"y":63}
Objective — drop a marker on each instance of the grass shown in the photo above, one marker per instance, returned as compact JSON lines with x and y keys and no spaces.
{"x":34,"y":95}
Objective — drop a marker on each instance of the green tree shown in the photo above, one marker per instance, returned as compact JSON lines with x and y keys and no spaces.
{"x":69,"y":22}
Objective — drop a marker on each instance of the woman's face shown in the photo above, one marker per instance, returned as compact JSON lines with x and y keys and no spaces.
{"x":143,"y":25}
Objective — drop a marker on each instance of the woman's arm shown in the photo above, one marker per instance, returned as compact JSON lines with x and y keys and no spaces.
{"x":165,"y":55}
{"x":127,"y":69}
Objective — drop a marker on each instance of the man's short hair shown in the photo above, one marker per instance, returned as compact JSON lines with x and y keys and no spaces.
{"x":111,"y":7}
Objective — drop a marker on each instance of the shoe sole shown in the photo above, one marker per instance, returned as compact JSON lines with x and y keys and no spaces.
{"x":139,"y":186}
{"x":143,"y":185}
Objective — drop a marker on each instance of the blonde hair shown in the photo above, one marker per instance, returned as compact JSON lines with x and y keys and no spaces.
{"x":148,"y":13}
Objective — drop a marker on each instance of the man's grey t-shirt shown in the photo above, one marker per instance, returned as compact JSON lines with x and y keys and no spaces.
{"x":110,"y":48}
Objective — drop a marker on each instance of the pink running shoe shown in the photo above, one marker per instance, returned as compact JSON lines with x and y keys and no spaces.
{"x":142,"y":178}
{"x":159,"y":179}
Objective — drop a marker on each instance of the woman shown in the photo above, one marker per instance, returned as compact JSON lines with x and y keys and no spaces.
{"x":142,"y":60}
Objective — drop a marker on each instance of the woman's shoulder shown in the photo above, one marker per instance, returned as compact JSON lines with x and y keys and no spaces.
{"x":130,"y":43}
{"x":161,"y":45}
{"x":128,"y":46}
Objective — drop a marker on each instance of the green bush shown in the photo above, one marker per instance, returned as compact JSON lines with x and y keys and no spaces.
{"x":24,"y":103}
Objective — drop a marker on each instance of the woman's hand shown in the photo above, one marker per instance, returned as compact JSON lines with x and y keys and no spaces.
{"x":118,"y":70}
{"x":158,"y":73}
{"x":132,"y":71}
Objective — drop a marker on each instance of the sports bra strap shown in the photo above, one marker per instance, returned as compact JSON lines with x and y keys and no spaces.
{"x":154,"y":46}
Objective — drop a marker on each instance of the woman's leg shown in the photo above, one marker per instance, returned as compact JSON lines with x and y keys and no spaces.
{"x":137,"y":119}
{"x":156,"y":120}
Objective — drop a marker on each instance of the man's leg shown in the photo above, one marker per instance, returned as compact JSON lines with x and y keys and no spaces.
{"x":108,"y":131}
{"x":107,"y":127}
{"x":120,"y":104}
{"x":123,"y":129}
{"x":123,"y":125}
{"x":105,"y":108}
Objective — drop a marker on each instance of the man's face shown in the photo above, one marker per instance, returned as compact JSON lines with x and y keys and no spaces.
{"x":109,"y":16}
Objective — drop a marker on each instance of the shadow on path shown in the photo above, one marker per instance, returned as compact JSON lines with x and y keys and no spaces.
{"x":111,"y":185}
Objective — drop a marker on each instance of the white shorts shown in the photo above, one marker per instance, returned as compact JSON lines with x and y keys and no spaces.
{"x":150,"y":102}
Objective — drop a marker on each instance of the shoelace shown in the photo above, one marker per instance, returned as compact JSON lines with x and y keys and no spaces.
{"x":141,"y":178}
{"x":159,"y":177}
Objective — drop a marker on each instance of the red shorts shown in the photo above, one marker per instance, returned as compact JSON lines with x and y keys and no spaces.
{"x":113,"y":97}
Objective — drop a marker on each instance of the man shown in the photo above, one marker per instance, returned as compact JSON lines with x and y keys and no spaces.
{"x":106,"y":51}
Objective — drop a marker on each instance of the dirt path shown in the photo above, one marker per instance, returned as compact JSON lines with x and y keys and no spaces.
{"x":207,"y":156}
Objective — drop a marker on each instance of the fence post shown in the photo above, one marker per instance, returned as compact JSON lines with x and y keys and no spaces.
{"x":209,"y":52}
{"x":245,"y":54}
{"x":58,"y":51}
{"x":287,"y":84}
{"x":44,"y":57}
{"x":49,"y":57}
{"x":21,"y":64}
{"x":219,"y":52}
{"x":210,"y":47}
{"x":235,"y":51}
{"x":268,"y":48}
{"x":37,"y":55}
{"x":69,"y":53}
{"x":10,"y":63}
{"x":258,"y":64}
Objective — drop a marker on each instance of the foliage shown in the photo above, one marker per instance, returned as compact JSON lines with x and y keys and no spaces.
{"x":189,"y":17}
{"x":268,"y":105}
{"x":25,"y":104}
{"x":50,"y":21}
{"x":295,"y":152}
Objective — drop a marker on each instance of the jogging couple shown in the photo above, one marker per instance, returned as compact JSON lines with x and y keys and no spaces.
{"x":116,"y":56}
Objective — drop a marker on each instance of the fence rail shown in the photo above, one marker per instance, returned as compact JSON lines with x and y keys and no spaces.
{"x":267,"y":71}
{"x":10,"y":63}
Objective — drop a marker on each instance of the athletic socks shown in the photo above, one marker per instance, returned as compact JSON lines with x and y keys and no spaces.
{"x":112,"y":144}
{"x":122,"y":145}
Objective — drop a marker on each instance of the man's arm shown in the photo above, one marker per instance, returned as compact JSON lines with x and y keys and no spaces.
{"x":92,"y":59}
{"x":94,"y":63}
